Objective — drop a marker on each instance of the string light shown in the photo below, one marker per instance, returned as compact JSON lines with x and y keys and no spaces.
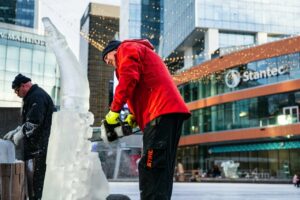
{"x":100,"y":41}
{"x":202,"y":74}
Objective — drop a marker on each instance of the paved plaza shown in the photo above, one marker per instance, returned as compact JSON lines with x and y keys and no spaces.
{"x":217,"y":191}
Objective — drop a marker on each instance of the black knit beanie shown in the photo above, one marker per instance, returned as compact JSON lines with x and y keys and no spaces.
{"x":19,"y":79}
{"x":112,"y":45}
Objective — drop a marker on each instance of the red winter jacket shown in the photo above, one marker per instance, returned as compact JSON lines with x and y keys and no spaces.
{"x":145,"y":83}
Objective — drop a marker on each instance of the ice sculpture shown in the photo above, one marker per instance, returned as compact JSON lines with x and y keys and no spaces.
{"x":73,"y":171}
{"x":230,"y":169}
{"x":7,"y":152}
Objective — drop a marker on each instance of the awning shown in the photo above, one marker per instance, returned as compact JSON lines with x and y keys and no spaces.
{"x":256,"y":147}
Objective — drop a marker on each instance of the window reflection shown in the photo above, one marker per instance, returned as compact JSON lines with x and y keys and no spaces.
{"x":235,"y":39}
{"x":247,"y":113}
{"x":25,"y":60}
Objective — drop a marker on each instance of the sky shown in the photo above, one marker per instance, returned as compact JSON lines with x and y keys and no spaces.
{"x":66,"y":15}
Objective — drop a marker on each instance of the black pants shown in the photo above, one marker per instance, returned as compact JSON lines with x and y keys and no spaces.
{"x":35,"y":177}
{"x":156,"y":167}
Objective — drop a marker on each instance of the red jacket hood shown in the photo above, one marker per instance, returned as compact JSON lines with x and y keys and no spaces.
{"x":141,"y":41}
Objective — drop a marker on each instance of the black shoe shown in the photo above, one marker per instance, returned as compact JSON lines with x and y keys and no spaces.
{"x":117,"y":197}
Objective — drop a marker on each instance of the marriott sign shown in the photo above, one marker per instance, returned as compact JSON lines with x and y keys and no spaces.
{"x":20,"y":38}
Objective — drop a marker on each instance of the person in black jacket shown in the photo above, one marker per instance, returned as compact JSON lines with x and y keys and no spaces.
{"x":37,"y":113}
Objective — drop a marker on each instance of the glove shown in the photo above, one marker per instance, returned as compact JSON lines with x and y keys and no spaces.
{"x":18,"y":137}
{"x":130,"y":119}
{"x":15,"y":135}
{"x":112,"y":118}
{"x":10,"y":134}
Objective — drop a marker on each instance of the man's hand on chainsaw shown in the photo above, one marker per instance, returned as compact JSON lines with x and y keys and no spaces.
{"x":111,"y":121}
{"x":112,"y":118}
{"x":113,"y":128}
{"x":130,"y":119}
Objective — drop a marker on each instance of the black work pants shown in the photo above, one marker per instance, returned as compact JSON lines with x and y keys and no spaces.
{"x":35,"y":177}
{"x":156,"y":167}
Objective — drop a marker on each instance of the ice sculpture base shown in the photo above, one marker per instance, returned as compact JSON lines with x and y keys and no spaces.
{"x":73,"y":171}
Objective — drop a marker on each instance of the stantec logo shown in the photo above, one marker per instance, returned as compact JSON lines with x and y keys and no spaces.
{"x":233,"y":77}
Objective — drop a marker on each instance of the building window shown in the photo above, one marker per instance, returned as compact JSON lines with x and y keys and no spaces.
{"x":256,"y":112}
{"x":235,"y":39}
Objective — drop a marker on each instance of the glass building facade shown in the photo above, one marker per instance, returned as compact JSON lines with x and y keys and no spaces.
{"x":221,"y":108}
{"x":25,"y":52}
{"x":261,"y":111}
{"x":256,"y":72}
{"x":270,"y":160}
{"x":179,"y":18}
{"x":141,"y":19}
{"x":130,"y":22}
{"x":151,"y":23}
{"x":135,"y":18}
{"x":260,"y":16}
{"x":18,"y":12}
{"x":195,"y":29}
{"x":235,"y":39}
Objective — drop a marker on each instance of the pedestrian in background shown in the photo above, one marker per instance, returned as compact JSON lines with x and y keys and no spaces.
{"x":146,"y":85}
{"x":180,"y":171}
{"x":296,"y":180}
{"x":34,"y":131}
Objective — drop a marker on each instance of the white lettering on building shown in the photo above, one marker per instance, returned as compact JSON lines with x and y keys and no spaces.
{"x":233,"y":77}
{"x":19,"y":38}
{"x":269,"y":72}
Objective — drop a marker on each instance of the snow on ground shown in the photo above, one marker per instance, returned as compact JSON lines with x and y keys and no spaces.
{"x":217,"y":191}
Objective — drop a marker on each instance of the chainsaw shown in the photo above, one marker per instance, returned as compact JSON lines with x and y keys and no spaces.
{"x":110,"y":133}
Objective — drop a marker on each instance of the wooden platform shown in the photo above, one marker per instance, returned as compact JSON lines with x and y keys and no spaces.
{"x":12,"y":181}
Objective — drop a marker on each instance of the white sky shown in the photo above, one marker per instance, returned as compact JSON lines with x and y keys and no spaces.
{"x":66,"y":14}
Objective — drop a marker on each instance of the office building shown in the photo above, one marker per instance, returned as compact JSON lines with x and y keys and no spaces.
{"x":193,"y":30}
{"x":245,"y":108}
{"x":130,"y":22}
{"x":151,"y":22}
{"x":99,"y":25}
{"x":141,"y":19}
{"x":19,"y":12}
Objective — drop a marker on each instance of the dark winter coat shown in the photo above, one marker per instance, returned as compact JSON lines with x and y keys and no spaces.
{"x":37,"y":109}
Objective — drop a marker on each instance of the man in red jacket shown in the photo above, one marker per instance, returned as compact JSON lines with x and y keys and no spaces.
{"x":146,"y":85}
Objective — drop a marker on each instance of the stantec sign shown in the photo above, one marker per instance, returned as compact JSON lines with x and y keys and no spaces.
{"x":233,"y":77}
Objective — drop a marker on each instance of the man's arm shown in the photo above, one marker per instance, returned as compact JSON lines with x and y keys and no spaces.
{"x":129,"y":75}
{"x":35,"y":115}
{"x":33,"y":119}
